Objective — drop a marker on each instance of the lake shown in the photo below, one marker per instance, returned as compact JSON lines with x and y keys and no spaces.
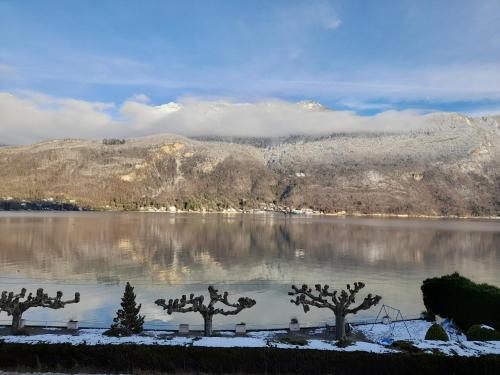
{"x":166,"y":255}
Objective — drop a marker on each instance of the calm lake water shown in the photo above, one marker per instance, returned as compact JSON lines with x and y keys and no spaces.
{"x":167,"y":255}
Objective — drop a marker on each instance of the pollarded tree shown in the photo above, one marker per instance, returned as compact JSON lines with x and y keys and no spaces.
{"x":339,"y":303}
{"x":207,"y":311}
{"x":17,"y":304}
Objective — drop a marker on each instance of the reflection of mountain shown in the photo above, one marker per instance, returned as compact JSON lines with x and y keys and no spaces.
{"x":176,"y":249}
{"x":160,"y":253}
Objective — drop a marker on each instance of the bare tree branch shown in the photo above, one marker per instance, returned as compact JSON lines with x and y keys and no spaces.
{"x":14,"y":305}
{"x":338,"y":303}
{"x":195,"y":304}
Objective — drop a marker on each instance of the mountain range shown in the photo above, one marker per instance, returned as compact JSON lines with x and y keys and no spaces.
{"x":449,"y":165}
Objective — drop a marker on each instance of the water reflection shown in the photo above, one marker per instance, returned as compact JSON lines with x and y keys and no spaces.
{"x":167,"y":255}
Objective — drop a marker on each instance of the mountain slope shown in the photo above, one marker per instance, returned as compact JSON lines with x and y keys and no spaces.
{"x":448,"y":166}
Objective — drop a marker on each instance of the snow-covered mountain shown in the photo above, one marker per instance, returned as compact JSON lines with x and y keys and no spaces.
{"x":450,"y":165}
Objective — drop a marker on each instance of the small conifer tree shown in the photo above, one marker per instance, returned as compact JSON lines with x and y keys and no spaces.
{"x":127,"y":320}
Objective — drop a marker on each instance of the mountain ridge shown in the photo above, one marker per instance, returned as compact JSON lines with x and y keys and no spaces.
{"x":448,"y":166}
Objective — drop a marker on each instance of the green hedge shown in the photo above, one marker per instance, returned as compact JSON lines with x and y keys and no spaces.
{"x":185,"y":360}
{"x":464,"y":301}
{"x":436,"y":332}
{"x":478,"y":333}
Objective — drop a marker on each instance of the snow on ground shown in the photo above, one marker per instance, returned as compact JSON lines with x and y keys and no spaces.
{"x":381,"y":336}
{"x":460,"y":348}
{"x":405,"y":330}
{"x":359,"y":346}
{"x":266,"y":334}
{"x":487,"y":327}
{"x":95,"y":337}
{"x":230,"y":342}
{"x":410,"y":329}
{"x":414,"y":331}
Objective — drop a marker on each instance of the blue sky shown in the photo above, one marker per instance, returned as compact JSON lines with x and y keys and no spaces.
{"x":365,"y":56}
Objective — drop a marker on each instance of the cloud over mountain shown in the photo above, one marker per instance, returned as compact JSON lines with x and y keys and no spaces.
{"x":30,"y":117}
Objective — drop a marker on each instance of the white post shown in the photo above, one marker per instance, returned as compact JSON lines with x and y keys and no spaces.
{"x":73,"y":325}
{"x":240,"y":329}
{"x":294,"y":327}
{"x":183,"y":329}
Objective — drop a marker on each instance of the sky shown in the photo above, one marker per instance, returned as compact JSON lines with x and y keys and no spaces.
{"x":360,"y":57}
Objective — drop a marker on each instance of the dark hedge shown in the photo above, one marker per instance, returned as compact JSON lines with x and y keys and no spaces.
{"x":458,"y":298}
{"x":170,"y":359}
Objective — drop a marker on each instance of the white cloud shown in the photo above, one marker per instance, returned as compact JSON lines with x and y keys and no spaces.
{"x":32,"y":116}
{"x":485,"y":111}
{"x":297,"y":19}
{"x":461,"y":82}
{"x":141,"y":98}
{"x":332,"y":23}
{"x":7,"y":70}
{"x":328,"y":16}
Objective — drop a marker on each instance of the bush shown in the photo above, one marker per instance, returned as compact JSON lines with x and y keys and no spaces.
{"x":344,"y":343}
{"x":482,"y":333}
{"x":436,"y":332}
{"x":406,"y":346}
{"x":117,"y":331}
{"x":462,"y":300}
{"x":21,"y":332}
{"x":293,"y":341}
{"x":113,"y":141}
{"x":428,"y":316}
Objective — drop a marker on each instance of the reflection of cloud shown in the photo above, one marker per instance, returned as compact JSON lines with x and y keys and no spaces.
{"x":166,"y":256}
{"x":155,"y":247}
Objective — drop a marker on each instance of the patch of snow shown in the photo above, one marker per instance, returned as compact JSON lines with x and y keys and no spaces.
{"x":418,"y":328}
{"x":227,"y":333}
{"x":360,"y":346}
{"x":95,"y":337}
{"x":464,"y":348}
{"x":231,"y":342}
{"x":259,"y":339}
{"x":319,"y":331}
{"x":266,"y":334}
{"x":410,"y":329}
{"x":327,"y":345}
{"x":487,"y":327}
{"x":407,"y":330}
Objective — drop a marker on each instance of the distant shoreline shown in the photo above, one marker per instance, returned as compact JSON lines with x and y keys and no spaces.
{"x":38,"y":205}
{"x":53,"y":206}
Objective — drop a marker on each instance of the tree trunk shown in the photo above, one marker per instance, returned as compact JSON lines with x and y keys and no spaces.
{"x":208,"y":325}
{"x":16,"y":321}
{"x":339,"y":326}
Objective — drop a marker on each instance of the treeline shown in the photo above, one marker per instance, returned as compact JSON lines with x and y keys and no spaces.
{"x":38,"y":205}
{"x":113,"y":141}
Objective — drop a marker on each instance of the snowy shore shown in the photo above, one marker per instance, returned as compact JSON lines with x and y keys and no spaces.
{"x":378,"y":339}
